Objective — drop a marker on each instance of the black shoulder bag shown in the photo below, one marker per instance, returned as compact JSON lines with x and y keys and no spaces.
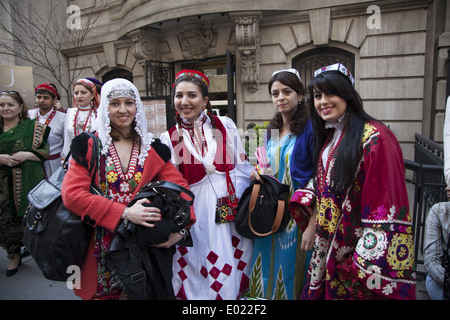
{"x":142,"y":271}
{"x":55,"y":237}
{"x":262,"y":209}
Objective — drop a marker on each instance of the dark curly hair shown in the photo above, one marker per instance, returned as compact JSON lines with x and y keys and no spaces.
{"x":302,"y":114}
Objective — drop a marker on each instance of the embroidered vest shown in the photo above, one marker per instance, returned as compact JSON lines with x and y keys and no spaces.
{"x":191,"y":168}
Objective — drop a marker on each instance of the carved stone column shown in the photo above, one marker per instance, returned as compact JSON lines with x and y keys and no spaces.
{"x":247,"y":36}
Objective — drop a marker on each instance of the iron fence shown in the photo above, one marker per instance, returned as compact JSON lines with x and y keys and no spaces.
{"x":428,"y":181}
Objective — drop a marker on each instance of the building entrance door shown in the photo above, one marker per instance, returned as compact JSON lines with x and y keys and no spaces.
{"x":220,"y":72}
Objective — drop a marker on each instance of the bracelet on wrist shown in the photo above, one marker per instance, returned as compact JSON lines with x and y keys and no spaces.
{"x":184,"y":233}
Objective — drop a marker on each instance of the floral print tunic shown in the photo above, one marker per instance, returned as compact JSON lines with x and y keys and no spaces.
{"x":120,"y":187}
{"x":364,"y":244}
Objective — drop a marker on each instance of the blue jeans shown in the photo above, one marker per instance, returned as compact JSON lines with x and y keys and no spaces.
{"x":435,"y":290}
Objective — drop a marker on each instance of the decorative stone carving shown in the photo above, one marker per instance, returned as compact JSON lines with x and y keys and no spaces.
{"x":145,"y":45}
{"x":250,"y":69}
{"x":196,"y":42}
{"x":247,"y":36}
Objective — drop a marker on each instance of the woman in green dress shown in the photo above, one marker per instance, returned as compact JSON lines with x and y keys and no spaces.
{"x":23,"y":148}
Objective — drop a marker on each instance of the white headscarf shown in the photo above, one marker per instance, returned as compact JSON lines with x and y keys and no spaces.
{"x":116,"y":88}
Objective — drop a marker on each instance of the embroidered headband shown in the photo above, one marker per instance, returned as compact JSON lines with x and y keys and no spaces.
{"x":121,"y":93}
{"x":47,"y":87}
{"x":291,"y":70}
{"x":336,"y":67}
{"x":96,"y":100}
{"x":89,"y":82}
{"x":195,"y":74}
{"x":118,"y":88}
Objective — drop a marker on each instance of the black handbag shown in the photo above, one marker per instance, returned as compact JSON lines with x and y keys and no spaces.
{"x":141,"y":271}
{"x":55,"y":237}
{"x":175,"y":210}
{"x":262,"y":209}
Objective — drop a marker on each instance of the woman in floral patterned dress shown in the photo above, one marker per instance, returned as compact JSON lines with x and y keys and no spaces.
{"x":364,"y":244}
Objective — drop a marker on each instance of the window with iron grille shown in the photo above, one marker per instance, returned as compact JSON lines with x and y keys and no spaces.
{"x":308,"y":62}
{"x":159,"y":77}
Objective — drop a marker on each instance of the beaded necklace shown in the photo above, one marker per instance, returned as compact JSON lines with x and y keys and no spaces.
{"x":132,"y":162}
{"x":322,"y":171}
{"x":78,"y":126}
{"x":200,"y":146}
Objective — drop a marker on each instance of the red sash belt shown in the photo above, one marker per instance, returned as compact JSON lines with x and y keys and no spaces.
{"x":54,"y":156}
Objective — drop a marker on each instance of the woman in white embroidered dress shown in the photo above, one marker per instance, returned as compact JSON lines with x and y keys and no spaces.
{"x":81,"y":117}
{"x":217,"y":266}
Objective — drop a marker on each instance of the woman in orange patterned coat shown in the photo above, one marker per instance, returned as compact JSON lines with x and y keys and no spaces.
{"x":129,"y":158}
{"x":364,"y":244}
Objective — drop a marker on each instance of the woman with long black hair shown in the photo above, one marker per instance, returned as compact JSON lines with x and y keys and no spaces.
{"x":364,"y":243}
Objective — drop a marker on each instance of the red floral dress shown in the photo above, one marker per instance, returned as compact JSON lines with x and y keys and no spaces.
{"x":364,"y":244}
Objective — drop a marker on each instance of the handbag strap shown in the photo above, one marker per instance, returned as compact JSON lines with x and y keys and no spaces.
{"x":94,"y":160}
{"x":94,"y":153}
{"x":174,"y":189}
{"x":251,"y":206}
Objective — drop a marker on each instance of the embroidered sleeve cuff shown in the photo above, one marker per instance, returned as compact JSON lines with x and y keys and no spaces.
{"x":301,"y":206}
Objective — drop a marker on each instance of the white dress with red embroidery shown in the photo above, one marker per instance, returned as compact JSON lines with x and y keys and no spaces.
{"x":77,"y":121}
{"x":217,"y":266}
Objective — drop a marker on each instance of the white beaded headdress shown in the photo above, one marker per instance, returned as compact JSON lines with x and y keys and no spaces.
{"x":116,"y":88}
{"x":336,"y":67}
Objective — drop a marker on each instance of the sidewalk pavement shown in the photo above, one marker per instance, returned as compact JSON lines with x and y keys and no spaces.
{"x":29,"y":283}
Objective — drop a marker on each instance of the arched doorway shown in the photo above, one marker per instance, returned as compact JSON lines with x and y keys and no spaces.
{"x":117,"y":73}
{"x":309,"y":61}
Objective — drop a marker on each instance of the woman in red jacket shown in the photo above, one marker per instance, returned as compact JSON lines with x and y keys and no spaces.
{"x":129,"y":158}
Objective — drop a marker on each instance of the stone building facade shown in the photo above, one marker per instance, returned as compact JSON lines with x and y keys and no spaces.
{"x":396,"y":49}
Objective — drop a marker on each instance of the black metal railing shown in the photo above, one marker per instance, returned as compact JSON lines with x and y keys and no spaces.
{"x":159,"y":77}
{"x":429,"y":187}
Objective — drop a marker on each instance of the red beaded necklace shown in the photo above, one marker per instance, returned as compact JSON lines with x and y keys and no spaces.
{"x":322,"y":171}
{"x":200,"y":146}
{"x":77,"y":127}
